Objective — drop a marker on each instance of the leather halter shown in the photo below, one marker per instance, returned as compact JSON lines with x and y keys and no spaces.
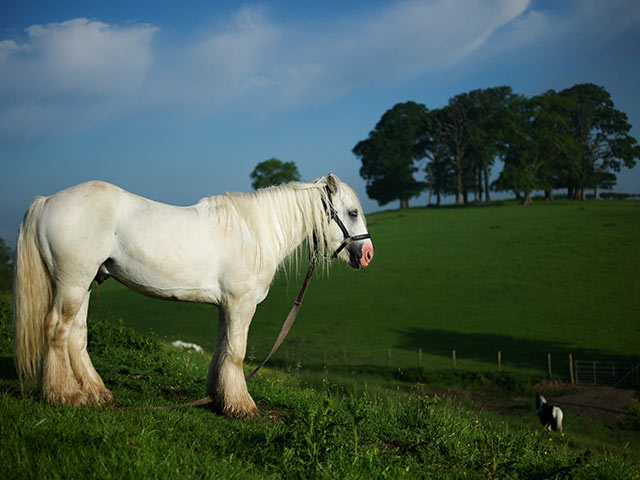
{"x":348,"y":239}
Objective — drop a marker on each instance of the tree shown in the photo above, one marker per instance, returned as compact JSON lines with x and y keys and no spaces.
{"x":603,"y":133}
{"x":453,"y":127}
{"x":431,"y":146}
{"x":6,"y":268}
{"x":438,"y":171}
{"x":521,"y":156}
{"x":555,"y":141}
{"x":488,"y":132}
{"x":273,"y":172}
{"x":539,"y":146}
{"x":390,"y":153}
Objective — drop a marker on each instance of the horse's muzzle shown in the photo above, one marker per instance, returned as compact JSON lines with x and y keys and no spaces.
{"x":367,"y":254}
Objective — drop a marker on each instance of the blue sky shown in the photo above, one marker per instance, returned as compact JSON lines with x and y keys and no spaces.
{"x":180,"y":100}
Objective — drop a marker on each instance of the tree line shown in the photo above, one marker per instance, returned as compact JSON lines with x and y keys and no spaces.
{"x":574,"y":139}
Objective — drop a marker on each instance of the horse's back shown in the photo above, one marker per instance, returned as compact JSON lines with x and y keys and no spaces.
{"x":147,"y":245}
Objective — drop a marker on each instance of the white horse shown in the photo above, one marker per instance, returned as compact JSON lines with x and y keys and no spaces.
{"x":224,"y":250}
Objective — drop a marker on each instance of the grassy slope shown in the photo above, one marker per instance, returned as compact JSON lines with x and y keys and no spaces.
{"x":301,"y":434}
{"x":556,"y":278}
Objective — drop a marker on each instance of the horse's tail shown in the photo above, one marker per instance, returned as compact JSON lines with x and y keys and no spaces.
{"x":32,"y":297}
{"x":558,"y":415}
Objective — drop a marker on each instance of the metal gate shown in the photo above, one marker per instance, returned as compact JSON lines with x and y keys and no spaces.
{"x":607,"y":373}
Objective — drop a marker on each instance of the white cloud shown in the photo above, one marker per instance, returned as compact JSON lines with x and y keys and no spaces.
{"x":64,"y":74}
{"x":257,"y":61}
{"x":217,"y":68}
{"x":415,"y":36}
{"x":68,"y":75}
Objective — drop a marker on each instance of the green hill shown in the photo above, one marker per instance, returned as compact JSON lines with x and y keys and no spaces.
{"x":553,"y":278}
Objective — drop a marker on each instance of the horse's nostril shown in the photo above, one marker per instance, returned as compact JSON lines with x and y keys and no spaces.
{"x":367,"y":255}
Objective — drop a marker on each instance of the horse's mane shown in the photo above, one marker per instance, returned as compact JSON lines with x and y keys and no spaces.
{"x":277,"y":215}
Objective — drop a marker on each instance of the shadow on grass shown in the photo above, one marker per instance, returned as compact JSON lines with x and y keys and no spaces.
{"x":7,"y":370}
{"x":9,"y":383}
{"x":515,"y":352}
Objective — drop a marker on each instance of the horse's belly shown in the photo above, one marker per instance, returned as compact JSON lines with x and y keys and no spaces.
{"x":156,"y":282}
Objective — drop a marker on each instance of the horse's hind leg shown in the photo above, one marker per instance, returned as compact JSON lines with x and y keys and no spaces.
{"x":59,"y":384}
{"x":225,"y":383}
{"x":90,"y":381}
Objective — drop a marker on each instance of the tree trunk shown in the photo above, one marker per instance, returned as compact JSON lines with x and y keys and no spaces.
{"x":527,"y":199}
{"x":573,"y":193}
{"x":404,"y":203}
{"x":430,"y":172}
{"x":583,"y":195}
{"x":550,"y":195}
{"x":459,"y":200}
{"x":595,"y":193}
{"x":438,"y":197}
{"x":486,"y":183}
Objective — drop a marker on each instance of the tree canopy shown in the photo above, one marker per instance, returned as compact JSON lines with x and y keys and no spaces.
{"x":539,"y":151}
{"x":390,"y":153}
{"x":467,"y":133}
{"x":574,"y":139}
{"x":273,"y":172}
{"x":603,"y":134}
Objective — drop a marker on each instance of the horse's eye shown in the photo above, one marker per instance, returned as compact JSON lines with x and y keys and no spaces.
{"x":353,"y":213}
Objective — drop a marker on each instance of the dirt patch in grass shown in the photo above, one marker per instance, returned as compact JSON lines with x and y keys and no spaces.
{"x":600,"y":404}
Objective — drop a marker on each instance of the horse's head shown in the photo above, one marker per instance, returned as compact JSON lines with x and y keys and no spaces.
{"x":347,"y":237}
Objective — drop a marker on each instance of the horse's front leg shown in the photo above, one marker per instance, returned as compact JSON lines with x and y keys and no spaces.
{"x":226,"y":385}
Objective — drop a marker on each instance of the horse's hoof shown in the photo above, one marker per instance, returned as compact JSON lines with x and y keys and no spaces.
{"x":244,"y":410}
{"x":241,"y":413}
{"x":106,"y":398}
{"x":68,"y":399}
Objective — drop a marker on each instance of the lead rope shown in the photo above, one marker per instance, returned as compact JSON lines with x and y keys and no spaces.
{"x":288,"y":323}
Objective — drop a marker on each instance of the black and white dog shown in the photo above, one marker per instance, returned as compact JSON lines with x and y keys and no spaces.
{"x":550,"y":415}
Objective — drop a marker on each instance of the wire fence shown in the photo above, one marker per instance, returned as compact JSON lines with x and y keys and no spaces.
{"x":580,"y":372}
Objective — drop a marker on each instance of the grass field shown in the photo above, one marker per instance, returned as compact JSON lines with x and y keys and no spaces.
{"x":549,"y":278}
{"x":555,"y":278}
{"x":302,"y":433}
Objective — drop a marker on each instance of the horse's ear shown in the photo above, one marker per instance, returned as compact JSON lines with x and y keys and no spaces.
{"x":332,"y":183}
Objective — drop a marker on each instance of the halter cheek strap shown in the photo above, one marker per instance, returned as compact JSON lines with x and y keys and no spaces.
{"x":348,"y":239}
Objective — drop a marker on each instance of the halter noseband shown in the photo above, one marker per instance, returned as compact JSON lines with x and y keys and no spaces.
{"x":348,"y":239}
